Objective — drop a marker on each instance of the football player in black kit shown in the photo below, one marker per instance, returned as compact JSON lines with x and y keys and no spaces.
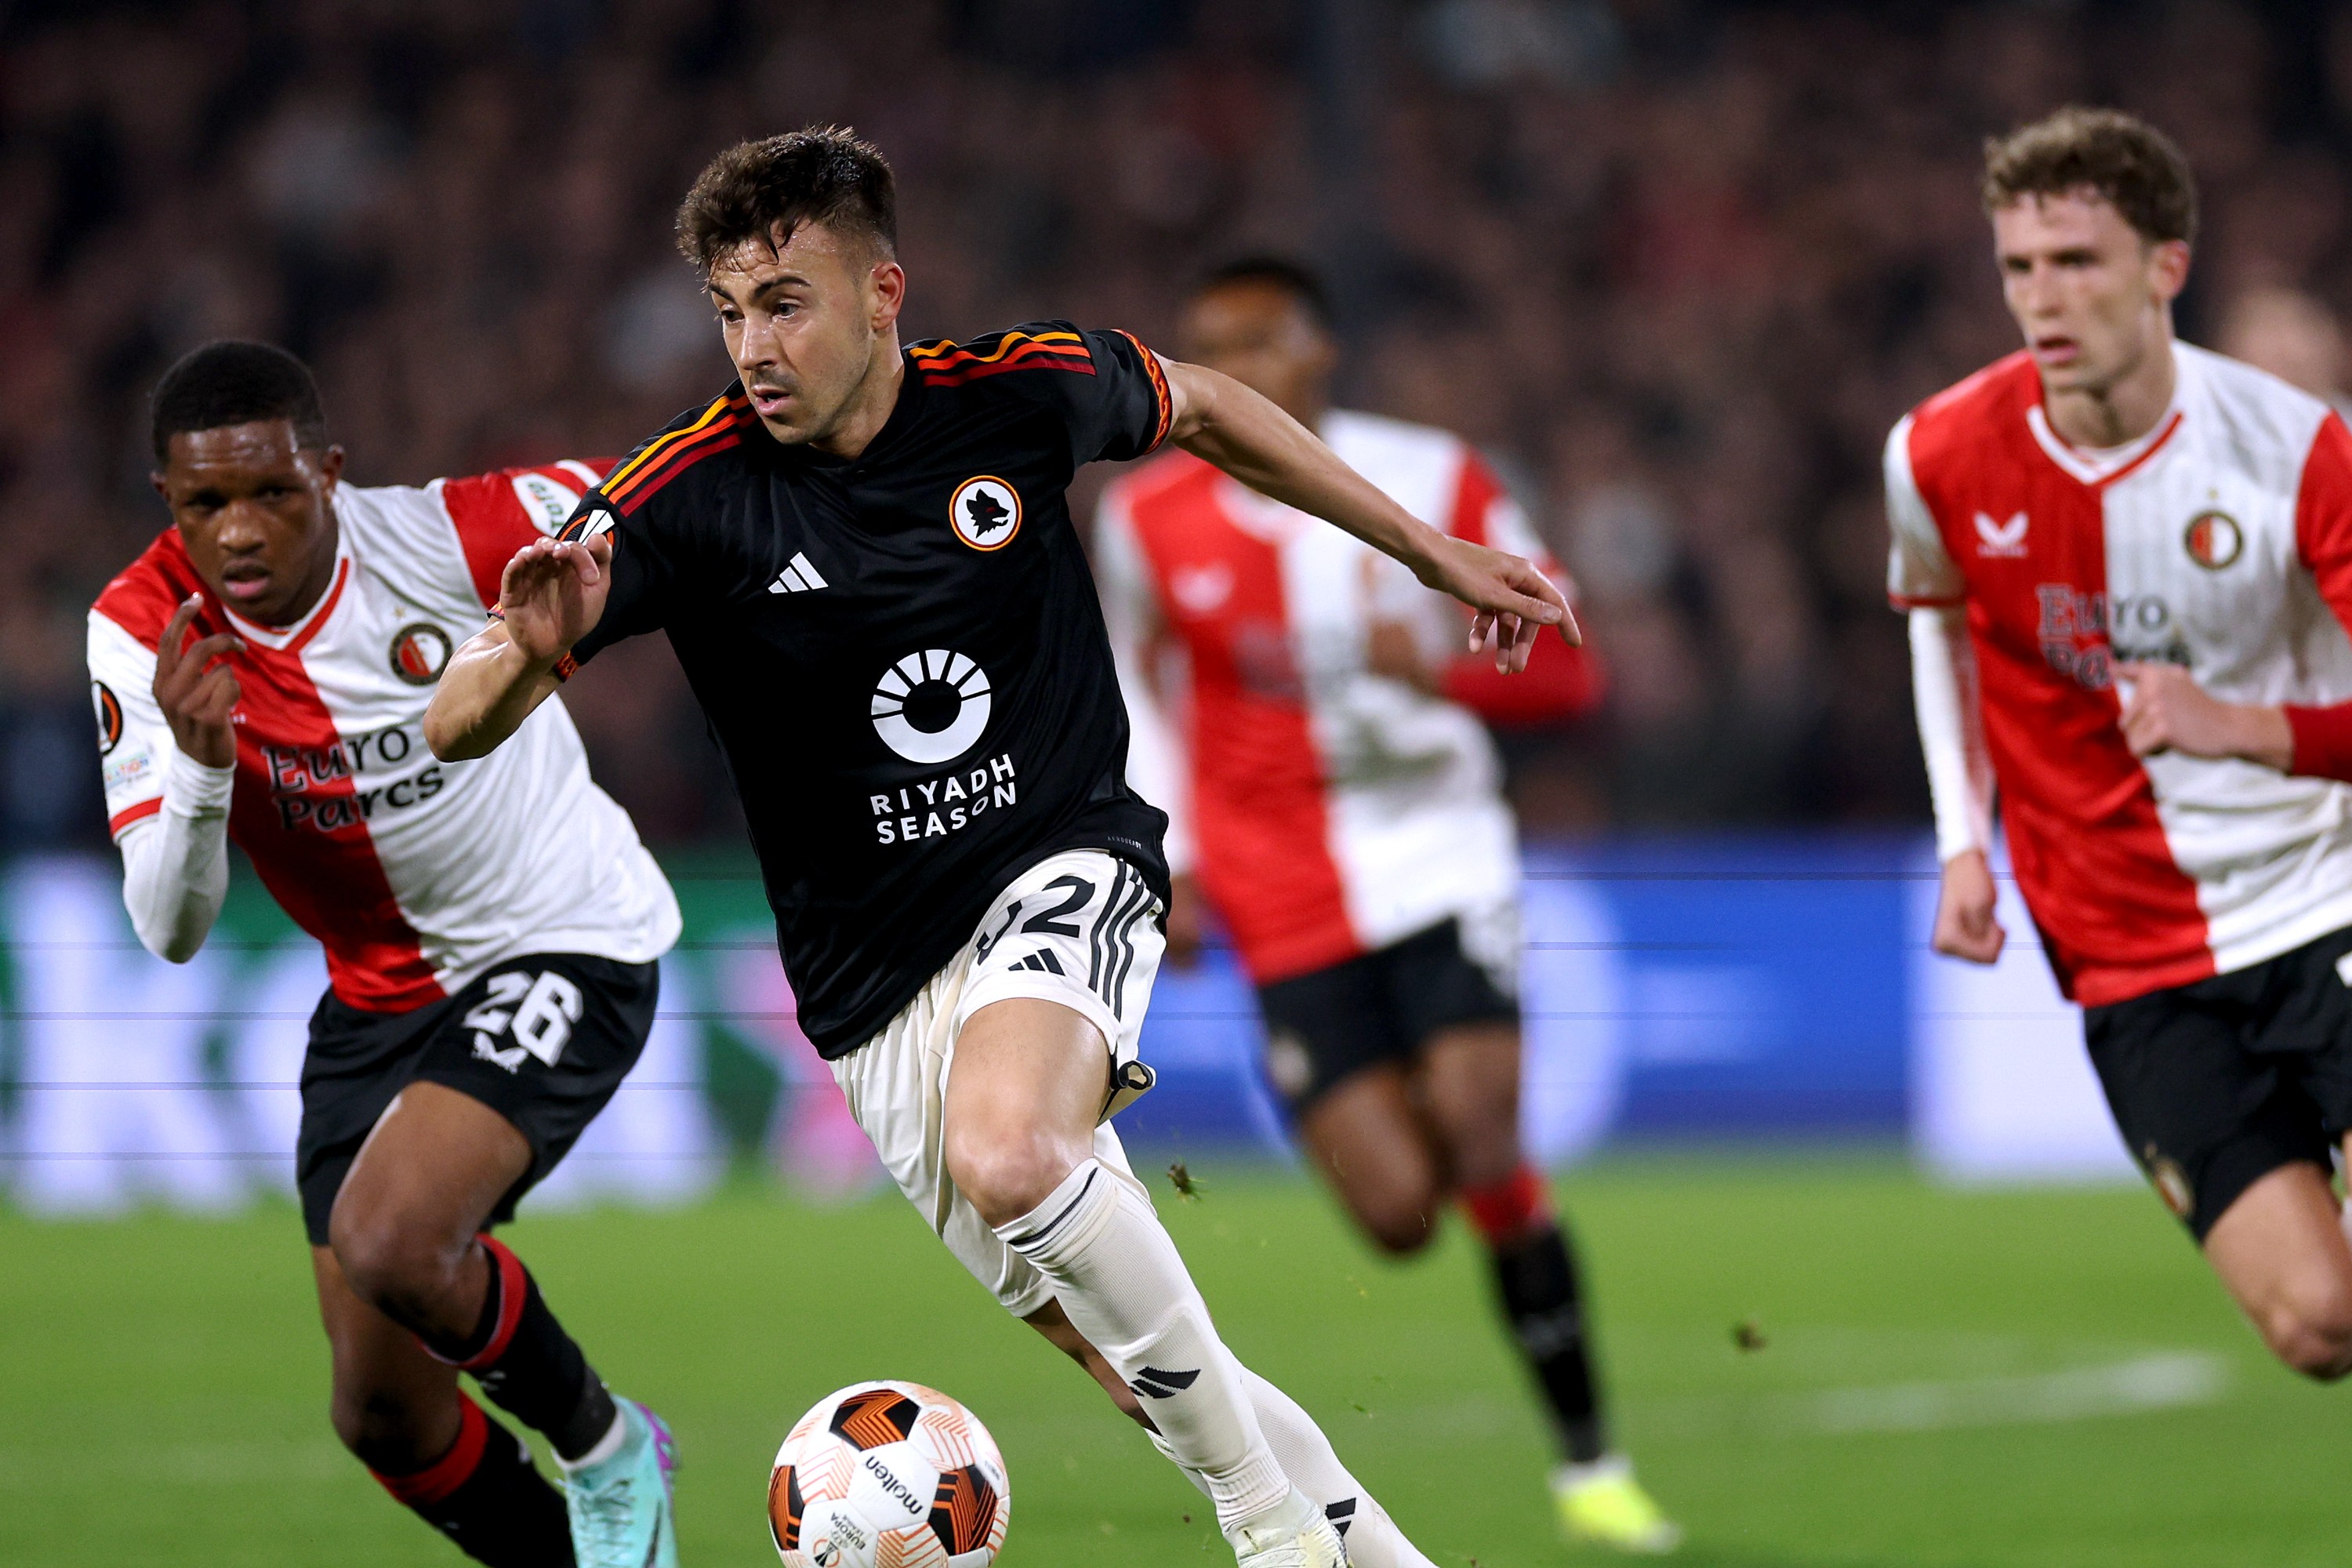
{"x":865,"y":559}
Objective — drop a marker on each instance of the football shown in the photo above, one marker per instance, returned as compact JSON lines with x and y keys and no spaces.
{"x":888,"y":1474}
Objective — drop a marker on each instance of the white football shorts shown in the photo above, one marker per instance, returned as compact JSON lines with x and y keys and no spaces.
{"x":1081,"y":929}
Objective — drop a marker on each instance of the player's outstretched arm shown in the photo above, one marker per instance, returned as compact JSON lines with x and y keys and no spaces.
{"x":1218,"y":420}
{"x":552,"y":596}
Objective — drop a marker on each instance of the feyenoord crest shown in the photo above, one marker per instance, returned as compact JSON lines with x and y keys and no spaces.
{"x":986,"y":512}
{"x":2214,"y":539}
{"x":2171,"y":1182}
{"x":109,"y":716}
{"x":931,"y":706}
{"x":420,"y":651}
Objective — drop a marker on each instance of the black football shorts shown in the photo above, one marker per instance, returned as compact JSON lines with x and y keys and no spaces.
{"x":543,"y":1040}
{"x":2218,"y":1083}
{"x":1327,"y":1025}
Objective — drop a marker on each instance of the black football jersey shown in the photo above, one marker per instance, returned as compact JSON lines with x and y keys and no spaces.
{"x":900,"y":655}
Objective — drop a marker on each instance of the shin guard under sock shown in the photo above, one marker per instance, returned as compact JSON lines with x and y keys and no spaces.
{"x":1536,"y":1276}
{"x":525,"y":1362}
{"x":485,"y":1495}
{"x":1118,"y":1276}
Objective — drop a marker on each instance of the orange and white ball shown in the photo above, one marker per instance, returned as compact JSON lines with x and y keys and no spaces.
{"x":888,"y":1474}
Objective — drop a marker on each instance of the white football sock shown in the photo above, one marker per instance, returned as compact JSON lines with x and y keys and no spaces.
{"x":1307,"y":1458}
{"x":1119,"y":1276}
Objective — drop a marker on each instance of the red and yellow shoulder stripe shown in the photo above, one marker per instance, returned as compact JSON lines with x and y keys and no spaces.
{"x":718,"y":427}
{"x":952,"y":365}
{"x":1165,"y":404}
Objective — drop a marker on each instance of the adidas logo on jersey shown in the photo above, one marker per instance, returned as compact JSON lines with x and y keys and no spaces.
{"x":798,"y":578}
{"x":1042,"y":961}
{"x":2004,"y":540}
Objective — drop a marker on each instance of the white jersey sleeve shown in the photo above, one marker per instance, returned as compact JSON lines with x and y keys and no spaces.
{"x":1157,"y":766}
{"x":1919,"y":570}
{"x":169,"y":813}
{"x":1951,"y":730}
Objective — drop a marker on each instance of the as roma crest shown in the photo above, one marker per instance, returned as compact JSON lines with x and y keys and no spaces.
{"x":986,"y":512}
{"x":2214,"y":539}
{"x":420,"y":652}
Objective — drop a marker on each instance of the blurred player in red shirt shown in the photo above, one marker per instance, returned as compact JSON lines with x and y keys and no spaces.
{"x":1335,"y":796}
{"x":2127,"y":563}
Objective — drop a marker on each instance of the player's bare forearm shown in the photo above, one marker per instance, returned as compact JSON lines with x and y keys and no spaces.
{"x":1220,"y":421}
{"x":488,"y":690}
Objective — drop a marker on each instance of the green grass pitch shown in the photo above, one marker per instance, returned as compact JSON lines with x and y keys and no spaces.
{"x":2022,"y":1378}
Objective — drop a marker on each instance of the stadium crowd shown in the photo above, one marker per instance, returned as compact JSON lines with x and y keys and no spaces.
{"x":1676,"y":266}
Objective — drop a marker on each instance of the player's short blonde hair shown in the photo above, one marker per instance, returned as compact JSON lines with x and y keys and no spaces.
{"x":2122,"y":157}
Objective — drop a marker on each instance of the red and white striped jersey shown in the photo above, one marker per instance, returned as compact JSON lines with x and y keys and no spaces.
{"x":2221,"y":542}
{"x":415,"y":874}
{"x":1332,"y":811}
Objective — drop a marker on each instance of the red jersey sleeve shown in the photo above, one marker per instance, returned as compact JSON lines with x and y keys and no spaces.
{"x":498,"y":514}
{"x":2322,"y":534}
{"x":1560,"y":682}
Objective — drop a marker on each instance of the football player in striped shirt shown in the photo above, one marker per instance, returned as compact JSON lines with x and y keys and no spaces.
{"x":2128,"y":564}
{"x":261,"y":673}
{"x":1332,"y":790}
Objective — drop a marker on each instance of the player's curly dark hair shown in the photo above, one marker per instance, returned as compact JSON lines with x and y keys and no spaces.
{"x":2119,"y":155}
{"x":233,"y":382}
{"x":823,"y":175}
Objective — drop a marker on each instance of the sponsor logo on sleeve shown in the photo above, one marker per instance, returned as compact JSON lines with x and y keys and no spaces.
{"x":986,"y":512}
{"x":109,"y":716}
{"x":126,"y":769}
{"x":2214,"y":539}
{"x":2001,"y":541}
{"x":547,"y":503}
{"x":420,"y":652}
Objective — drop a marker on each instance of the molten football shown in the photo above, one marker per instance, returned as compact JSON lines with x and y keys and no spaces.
{"x":888,"y":1474}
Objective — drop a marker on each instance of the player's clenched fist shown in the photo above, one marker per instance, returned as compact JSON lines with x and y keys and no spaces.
{"x":197,"y":688}
{"x":1965,"y":923}
{"x":552,"y":593}
{"x":2169,"y":712}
